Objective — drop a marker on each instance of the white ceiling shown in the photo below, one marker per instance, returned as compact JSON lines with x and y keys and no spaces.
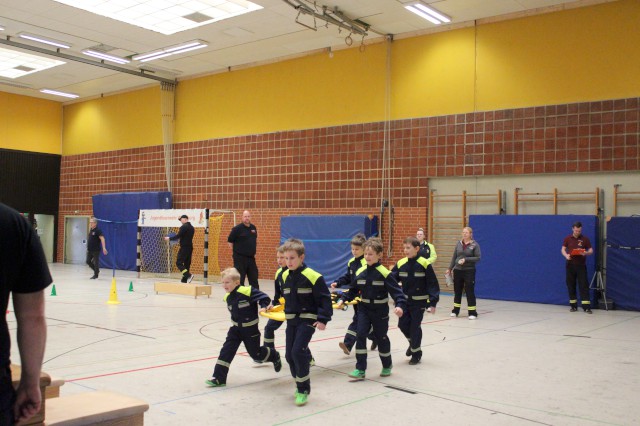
{"x":264,"y":35}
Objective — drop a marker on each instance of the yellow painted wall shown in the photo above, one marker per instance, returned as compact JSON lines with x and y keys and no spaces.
{"x":313,"y":91}
{"x":110,"y":123}
{"x":30,"y":124}
{"x":582,"y":54}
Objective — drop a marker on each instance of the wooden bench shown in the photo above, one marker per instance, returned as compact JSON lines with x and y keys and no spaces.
{"x":45,"y":381}
{"x":194,"y":290}
{"x":53,"y":390}
{"x":95,"y":408}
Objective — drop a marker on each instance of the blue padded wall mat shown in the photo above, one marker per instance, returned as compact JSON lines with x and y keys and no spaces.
{"x":117,"y":215}
{"x":521,"y":258}
{"x":327,"y":239}
{"x":623,"y":262}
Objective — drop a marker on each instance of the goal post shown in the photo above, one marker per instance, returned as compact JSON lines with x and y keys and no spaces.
{"x":156,"y":257}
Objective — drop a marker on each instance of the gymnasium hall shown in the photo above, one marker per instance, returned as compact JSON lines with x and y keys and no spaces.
{"x":511,"y":120}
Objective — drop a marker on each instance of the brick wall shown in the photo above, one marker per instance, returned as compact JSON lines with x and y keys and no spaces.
{"x":338,"y":170}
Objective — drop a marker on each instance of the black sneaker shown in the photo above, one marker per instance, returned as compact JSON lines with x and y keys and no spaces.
{"x":414,"y":360}
{"x":95,"y":277}
{"x":573,"y":309}
{"x":183,"y":280}
{"x":277,"y":363}
{"x":588,"y":311}
{"x":408,"y":352}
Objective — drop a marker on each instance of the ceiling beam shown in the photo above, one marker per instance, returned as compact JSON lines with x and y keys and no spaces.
{"x":101,"y":64}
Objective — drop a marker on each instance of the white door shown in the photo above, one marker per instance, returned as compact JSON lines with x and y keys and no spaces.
{"x":76,"y":229}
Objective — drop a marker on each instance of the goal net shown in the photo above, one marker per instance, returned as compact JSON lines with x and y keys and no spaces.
{"x":157,"y":257}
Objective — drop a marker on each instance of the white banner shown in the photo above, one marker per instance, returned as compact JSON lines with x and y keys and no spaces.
{"x":169,"y":218}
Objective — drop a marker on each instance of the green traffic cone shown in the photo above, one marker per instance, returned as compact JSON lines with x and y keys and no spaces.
{"x":53,"y":290}
{"x":131,"y":286}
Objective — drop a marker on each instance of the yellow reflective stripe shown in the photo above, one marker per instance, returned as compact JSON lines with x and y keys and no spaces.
{"x":361,"y":281}
{"x":311,"y":275}
{"x":456,"y":305}
{"x":402,"y":262}
{"x":246,"y":290}
{"x":384,"y":271}
{"x":573,"y":301}
{"x":471,"y":308}
{"x":286,"y":290}
{"x":351,"y":261}
{"x":403,"y":274}
{"x":586,"y":302}
{"x":416,"y":350}
{"x":268,"y":354}
{"x":384,"y":354}
{"x":277,"y":273}
{"x":361,"y":351}
{"x":363,"y":300}
{"x":302,"y":379}
{"x":305,"y":290}
{"x":425,"y":297}
{"x":285,"y":274}
{"x":353,"y":333}
{"x":225,"y":297}
{"x":184,"y":271}
{"x":289,"y":316}
{"x":224,"y":364}
{"x":309,"y":316}
{"x":361,"y":269}
{"x":245,"y":324}
{"x":424,"y":262}
{"x":419,"y":274}
{"x":269,"y":340}
{"x":385,"y":300}
{"x":378,"y":283}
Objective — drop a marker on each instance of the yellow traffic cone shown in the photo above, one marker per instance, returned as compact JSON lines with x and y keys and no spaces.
{"x":113,"y":296}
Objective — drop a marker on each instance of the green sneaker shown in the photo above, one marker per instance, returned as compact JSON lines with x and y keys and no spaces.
{"x":214,"y":383}
{"x":357,"y":374}
{"x":386,"y":372}
{"x":301,"y":398}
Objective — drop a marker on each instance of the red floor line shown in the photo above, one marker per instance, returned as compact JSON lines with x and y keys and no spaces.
{"x":209,"y":358}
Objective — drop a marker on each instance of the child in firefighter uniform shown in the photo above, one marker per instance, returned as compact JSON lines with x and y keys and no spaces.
{"x":356,"y":262}
{"x":242,"y":303}
{"x":374,"y":283}
{"x":307,"y":307}
{"x":420,"y":285}
{"x":273,"y":325}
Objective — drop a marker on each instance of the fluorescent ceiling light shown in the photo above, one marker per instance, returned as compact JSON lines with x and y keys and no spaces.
{"x":171,"y":50}
{"x":428,"y":13}
{"x":14,"y":64}
{"x":44,"y":40}
{"x":166,"y":16}
{"x":57,"y":93}
{"x":105,"y":56}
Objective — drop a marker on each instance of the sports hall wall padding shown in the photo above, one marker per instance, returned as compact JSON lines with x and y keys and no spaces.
{"x":117,"y":215}
{"x":521,"y":258}
{"x":623,"y":262}
{"x":327,"y":239}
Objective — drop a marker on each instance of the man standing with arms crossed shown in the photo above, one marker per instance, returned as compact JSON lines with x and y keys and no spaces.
{"x":243,"y":240}
{"x":24,"y":274}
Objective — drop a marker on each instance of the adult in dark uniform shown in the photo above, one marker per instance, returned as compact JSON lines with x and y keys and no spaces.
{"x":243,"y":240}
{"x":25,"y":274}
{"x":575,"y":248}
{"x":94,"y":243}
{"x":183,"y":260}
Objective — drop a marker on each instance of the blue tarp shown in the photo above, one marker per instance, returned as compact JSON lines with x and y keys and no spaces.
{"x":117,"y":215}
{"x":623,"y":262}
{"x":327,"y":239}
{"x":521,"y":259}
